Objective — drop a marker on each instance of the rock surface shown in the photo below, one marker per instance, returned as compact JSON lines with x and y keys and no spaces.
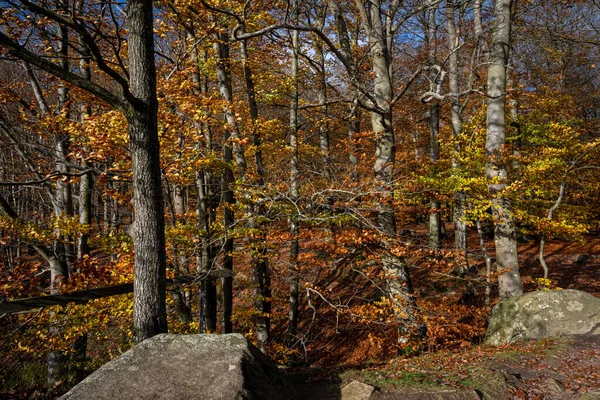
{"x":595,"y":395}
{"x":356,"y":390}
{"x":544,"y":314}
{"x":440,"y":394}
{"x":187,"y":367}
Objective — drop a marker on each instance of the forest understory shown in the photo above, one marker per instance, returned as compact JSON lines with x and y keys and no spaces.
{"x":345,"y":337}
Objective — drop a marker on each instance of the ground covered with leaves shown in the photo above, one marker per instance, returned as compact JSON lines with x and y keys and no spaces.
{"x":548,"y":369}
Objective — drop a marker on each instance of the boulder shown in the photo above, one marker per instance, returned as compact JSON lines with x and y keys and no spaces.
{"x":544,"y":314}
{"x":595,"y":395}
{"x":356,"y":390}
{"x":187,"y":367}
{"x":431,"y":394}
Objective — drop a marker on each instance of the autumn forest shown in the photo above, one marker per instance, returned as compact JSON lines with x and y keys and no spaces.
{"x":342,"y":182}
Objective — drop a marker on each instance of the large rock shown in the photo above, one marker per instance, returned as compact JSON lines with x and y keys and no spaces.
{"x":187,"y":367}
{"x":356,"y":390}
{"x":544,"y":314}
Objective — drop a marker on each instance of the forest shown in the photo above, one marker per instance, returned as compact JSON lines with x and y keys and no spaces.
{"x":343,"y":182}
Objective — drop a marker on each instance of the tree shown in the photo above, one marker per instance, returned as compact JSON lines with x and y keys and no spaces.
{"x":138,"y":103}
{"x":505,"y":231}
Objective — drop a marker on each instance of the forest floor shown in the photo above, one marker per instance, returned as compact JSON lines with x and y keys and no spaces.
{"x":547,"y":369}
{"x":558,"y":369}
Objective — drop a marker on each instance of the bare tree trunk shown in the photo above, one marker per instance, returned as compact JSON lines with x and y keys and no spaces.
{"x":292,"y":328}
{"x":505,"y":238}
{"x":149,"y":310}
{"x":86,"y":182}
{"x":63,"y":250}
{"x":460,"y":197}
{"x":261,"y":276}
{"x":435,"y":223}
{"x":181,"y":297}
{"x":322,"y":99}
{"x":232,"y":150}
{"x":488,"y":265}
{"x":353,"y":131}
{"x":207,"y":203}
{"x":379,"y":31}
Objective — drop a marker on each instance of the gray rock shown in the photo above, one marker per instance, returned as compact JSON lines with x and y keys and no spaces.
{"x":595,"y":395}
{"x":441,"y":394}
{"x":356,"y":390}
{"x":187,"y":367}
{"x":544,"y":314}
{"x":554,"y":388}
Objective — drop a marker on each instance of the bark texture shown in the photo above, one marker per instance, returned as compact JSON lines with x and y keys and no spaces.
{"x":261,"y":275}
{"x":460,"y":198}
{"x":149,"y":310}
{"x":292,"y":327}
{"x":505,"y":238}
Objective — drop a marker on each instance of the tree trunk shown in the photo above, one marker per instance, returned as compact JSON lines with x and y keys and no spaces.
{"x":353,"y":131}
{"x":292,"y":328}
{"x":232,"y":149}
{"x":505,"y":239}
{"x":149,"y":310}
{"x":63,"y":249}
{"x":207,"y":203}
{"x":261,"y":278}
{"x":460,"y":197}
{"x":322,"y":99}
{"x":435,"y":223}
{"x":396,"y":272}
{"x":86,"y":182}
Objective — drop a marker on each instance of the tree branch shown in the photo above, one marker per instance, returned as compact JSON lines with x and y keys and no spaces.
{"x":21,"y":52}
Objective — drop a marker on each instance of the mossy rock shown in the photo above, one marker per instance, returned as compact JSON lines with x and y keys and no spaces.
{"x":544,"y":314}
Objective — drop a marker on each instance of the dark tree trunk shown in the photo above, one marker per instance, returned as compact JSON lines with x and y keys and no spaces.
{"x":207,"y":203}
{"x":231,"y":151}
{"x":261,"y":278}
{"x":149,"y":311}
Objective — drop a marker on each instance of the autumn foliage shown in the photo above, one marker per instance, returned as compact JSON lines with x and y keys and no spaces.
{"x":348,"y":314}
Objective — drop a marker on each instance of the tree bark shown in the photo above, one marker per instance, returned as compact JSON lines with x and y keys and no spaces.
{"x":378,"y":26}
{"x":207,"y":203}
{"x":149,"y":311}
{"x":292,"y":328}
{"x":232,"y":150}
{"x":261,"y":275}
{"x":86,"y":182}
{"x":505,"y":239}
{"x":63,"y":248}
{"x":460,"y":197}
{"x":435,"y":223}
